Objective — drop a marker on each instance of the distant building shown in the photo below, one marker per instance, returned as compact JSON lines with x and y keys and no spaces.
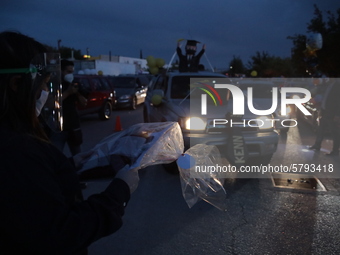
{"x":141,"y":63}
{"x":110,"y":65}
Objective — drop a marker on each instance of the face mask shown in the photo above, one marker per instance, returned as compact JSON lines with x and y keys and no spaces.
{"x":68,"y":77}
{"x":190,"y":52}
{"x":41,"y":101}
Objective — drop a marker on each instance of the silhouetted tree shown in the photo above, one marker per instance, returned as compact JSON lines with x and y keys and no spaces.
{"x":269,"y":66}
{"x":236,"y":66}
{"x":329,"y":55}
{"x":66,"y":52}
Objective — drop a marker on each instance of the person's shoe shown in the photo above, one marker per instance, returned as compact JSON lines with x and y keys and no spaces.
{"x":314,"y":147}
{"x":333,"y":153}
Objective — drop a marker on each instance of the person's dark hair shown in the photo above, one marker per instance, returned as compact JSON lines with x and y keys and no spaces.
{"x":64,"y":63}
{"x":17,"y":91}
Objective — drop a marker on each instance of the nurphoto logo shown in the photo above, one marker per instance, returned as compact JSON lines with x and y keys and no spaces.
{"x":238,"y":102}
{"x":214,"y":95}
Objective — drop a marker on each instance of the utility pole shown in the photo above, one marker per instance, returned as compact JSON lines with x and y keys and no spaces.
{"x":59,"y":41}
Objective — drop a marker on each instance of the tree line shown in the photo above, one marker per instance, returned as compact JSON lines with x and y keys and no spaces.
{"x":326,"y":60}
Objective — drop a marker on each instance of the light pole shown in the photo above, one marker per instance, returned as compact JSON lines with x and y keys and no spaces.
{"x":59,"y":41}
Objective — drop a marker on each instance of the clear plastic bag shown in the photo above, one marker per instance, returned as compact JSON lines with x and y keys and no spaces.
{"x":198,"y":182}
{"x":144,"y":144}
{"x":148,"y":144}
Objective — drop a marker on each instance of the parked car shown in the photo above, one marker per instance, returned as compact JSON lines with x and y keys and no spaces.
{"x":263,"y":99}
{"x":99,"y":93}
{"x":168,"y":99}
{"x":130,"y":90}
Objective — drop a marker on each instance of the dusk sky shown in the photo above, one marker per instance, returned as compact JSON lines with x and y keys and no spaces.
{"x":227,"y":27}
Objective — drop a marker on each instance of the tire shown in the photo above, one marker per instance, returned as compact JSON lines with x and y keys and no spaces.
{"x":284,"y":130}
{"x":257,"y":161}
{"x":133,"y":105}
{"x":145,"y":116}
{"x":105,"y":111}
{"x":171,"y":168}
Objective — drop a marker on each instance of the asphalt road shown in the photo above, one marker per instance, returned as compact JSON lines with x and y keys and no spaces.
{"x":260,"y":218}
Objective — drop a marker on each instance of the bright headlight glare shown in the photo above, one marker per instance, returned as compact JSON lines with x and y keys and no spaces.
{"x":194,"y":123}
{"x":264,"y":123}
{"x":56,"y":105}
{"x":296,"y":97}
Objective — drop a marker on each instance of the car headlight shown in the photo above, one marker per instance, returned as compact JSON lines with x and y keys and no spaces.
{"x":56,"y":105}
{"x":264,"y":123}
{"x":125,"y":97}
{"x":193,"y":123}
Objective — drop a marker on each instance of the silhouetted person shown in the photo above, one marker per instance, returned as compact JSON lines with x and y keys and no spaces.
{"x":329,"y":113}
{"x":43,"y":212}
{"x":72,"y":133}
{"x":189,"y":62}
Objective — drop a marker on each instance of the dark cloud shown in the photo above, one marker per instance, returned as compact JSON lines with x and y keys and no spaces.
{"x":228,"y":28}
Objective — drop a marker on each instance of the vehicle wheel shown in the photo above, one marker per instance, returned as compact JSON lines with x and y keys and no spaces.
{"x":284,"y":130}
{"x":105,"y":111}
{"x":171,"y":168}
{"x":145,"y":116}
{"x":133,"y":105}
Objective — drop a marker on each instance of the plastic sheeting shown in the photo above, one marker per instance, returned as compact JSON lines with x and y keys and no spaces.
{"x":144,"y":144}
{"x":147,"y":144}
{"x":199,"y":178}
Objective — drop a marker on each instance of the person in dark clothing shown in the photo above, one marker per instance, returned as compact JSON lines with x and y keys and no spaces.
{"x":71,"y":134}
{"x":189,"y":62}
{"x":329,"y":113}
{"x":43,"y":212}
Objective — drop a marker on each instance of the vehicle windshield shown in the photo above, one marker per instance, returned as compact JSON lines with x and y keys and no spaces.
{"x":124,"y":82}
{"x":259,"y":90}
{"x":182,"y":89}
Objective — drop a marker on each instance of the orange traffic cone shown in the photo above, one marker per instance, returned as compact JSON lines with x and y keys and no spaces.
{"x":118,"y":126}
